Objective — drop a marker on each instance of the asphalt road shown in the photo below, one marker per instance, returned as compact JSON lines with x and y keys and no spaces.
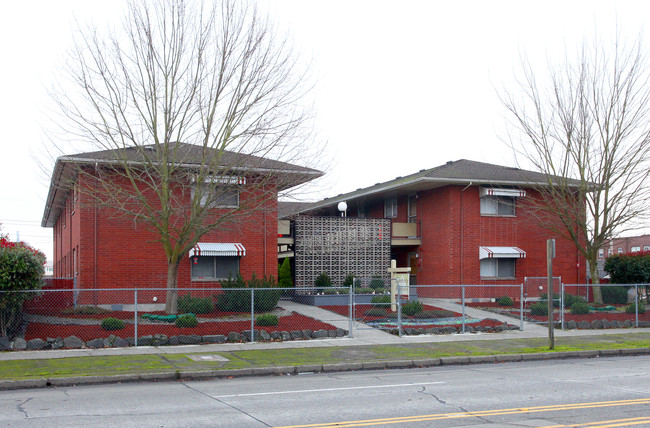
{"x":594,"y":392}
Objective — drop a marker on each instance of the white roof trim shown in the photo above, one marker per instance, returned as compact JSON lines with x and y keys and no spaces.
{"x":501,"y":253}
{"x":495,"y":191}
{"x":218,"y":249}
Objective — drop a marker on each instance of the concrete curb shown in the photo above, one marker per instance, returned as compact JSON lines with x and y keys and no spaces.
{"x":317,"y":368}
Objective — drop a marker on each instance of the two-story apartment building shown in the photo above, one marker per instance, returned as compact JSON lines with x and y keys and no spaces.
{"x":463,"y":222}
{"x":106,"y":250}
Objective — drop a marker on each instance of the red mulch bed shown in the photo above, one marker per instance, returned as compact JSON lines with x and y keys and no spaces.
{"x":610,"y":316}
{"x":89,"y":332}
{"x":360,"y":311}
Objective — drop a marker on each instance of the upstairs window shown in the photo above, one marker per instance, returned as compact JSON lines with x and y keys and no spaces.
{"x":220,"y":192}
{"x":390,"y":208}
{"x":601,"y":253}
{"x":499,"y":202}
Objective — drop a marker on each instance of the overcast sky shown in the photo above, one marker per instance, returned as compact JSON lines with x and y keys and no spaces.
{"x":401,"y":85}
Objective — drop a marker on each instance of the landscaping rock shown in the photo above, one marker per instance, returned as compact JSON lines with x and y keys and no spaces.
{"x":264,"y":335}
{"x":95,"y":343}
{"x":191,"y":339}
{"x":214,"y":338}
{"x":113,"y":341}
{"x":479,"y":328}
{"x":173,"y":341}
{"x":73,"y":342}
{"x":572,"y":325}
{"x":644,"y":324}
{"x":296,"y":334}
{"x":145,"y":340}
{"x":131,"y":341}
{"x":55,"y":343}
{"x":331,"y":333}
{"x":275,"y":335}
{"x":159,"y":340}
{"x":5,"y":344}
{"x":449,"y":329}
{"x":319,"y":334}
{"x":340,"y":332}
{"x":20,"y":344}
{"x":285,"y":335}
{"x":36,"y":344}
{"x":584,"y":325}
{"x":627,"y":324}
{"x":596,"y":324}
{"x":469,"y":329}
{"x":408,"y":331}
{"x":235,"y":337}
{"x":255,"y":335}
{"x":306,"y":333}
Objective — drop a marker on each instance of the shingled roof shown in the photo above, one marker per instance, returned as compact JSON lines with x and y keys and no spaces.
{"x":460,"y":172}
{"x":185,"y":155}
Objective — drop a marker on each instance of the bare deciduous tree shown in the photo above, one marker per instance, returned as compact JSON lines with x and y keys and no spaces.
{"x":185,"y":104}
{"x":588,"y":129}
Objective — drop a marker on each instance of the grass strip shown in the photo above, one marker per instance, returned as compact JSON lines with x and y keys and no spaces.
{"x":165,"y":363}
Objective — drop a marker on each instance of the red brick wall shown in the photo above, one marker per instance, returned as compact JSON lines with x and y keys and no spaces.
{"x":116,"y":252}
{"x":453,"y":230}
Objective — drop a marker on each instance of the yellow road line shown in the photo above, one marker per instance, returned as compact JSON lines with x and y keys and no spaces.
{"x":607,"y":424}
{"x":516,"y":410}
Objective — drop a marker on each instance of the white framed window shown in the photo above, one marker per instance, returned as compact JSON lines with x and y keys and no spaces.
{"x":646,"y":248}
{"x":214,"y":267}
{"x":498,"y":268}
{"x":412,"y":208}
{"x":601,"y":253}
{"x":390,"y":207}
{"x":620,"y":250}
{"x":635,"y":249}
{"x":219,"y":196}
{"x":610,"y":251}
{"x":498,"y":206}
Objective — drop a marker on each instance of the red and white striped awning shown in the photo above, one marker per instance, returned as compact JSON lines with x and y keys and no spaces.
{"x":501,"y":253}
{"x":495,"y":191}
{"x":218,"y":249}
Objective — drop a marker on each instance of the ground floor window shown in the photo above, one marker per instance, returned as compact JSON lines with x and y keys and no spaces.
{"x":498,"y":268}
{"x":214,"y":267}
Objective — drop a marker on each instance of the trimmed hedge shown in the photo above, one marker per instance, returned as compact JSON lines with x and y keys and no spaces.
{"x":236,"y":296}
{"x":112,"y":324}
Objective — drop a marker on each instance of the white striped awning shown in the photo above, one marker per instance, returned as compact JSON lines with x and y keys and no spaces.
{"x":218,"y":249}
{"x":494,"y":191}
{"x":501,"y":253}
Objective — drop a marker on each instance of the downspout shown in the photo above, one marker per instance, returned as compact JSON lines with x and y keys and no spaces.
{"x":462,"y":251}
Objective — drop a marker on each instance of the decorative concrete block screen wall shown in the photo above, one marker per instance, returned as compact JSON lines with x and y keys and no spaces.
{"x":339,"y":246}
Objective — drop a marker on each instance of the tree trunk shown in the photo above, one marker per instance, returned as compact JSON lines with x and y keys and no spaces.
{"x":595,"y":280}
{"x":171,"y":300}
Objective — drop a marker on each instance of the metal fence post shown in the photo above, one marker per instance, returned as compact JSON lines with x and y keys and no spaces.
{"x":561,"y":305}
{"x":252,"y":315}
{"x":399,"y":306}
{"x":462,"y":300}
{"x":350,"y":309}
{"x":135,"y":317}
{"x":521,"y":307}
{"x":636,"y":304}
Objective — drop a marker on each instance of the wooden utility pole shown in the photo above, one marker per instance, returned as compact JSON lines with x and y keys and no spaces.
{"x":550,"y":254}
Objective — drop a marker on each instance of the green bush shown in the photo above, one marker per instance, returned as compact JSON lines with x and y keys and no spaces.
{"x":334,"y":291}
{"x":376,"y":312}
{"x":284,"y":274}
{"x":631,"y":308}
{"x":187,"y":320}
{"x":195,"y":305}
{"x":613,"y":295}
{"x":383,"y":298}
{"x":236,"y":295}
{"x":579,"y":308}
{"x":322,"y":281}
{"x":349,"y":280}
{"x":543,"y":297}
{"x":412,"y":307}
{"x":435,"y":313}
{"x":266,"y":320}
{"x":112,"y":324}
{"x":363,"y":290}
{"x":570,"y":300}
{"x":21,"y":269}
{"x":505,"y":301}
{"x":376,"y":282}
{"x":539,"y":308}
{"x":628,"y":268}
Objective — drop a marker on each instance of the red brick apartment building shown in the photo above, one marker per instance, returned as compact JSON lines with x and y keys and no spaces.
{"x":630,"y":244}
{"x":463,"y":222}
{"x":107,"y":251}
